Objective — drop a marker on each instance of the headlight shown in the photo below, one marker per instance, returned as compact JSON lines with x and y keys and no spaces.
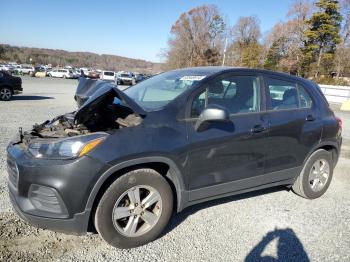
{"x":67,"y":148}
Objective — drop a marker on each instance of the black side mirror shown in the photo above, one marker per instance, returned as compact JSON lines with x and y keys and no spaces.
{"x":213,"y":113}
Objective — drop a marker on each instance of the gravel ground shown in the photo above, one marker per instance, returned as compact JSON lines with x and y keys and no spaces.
{"x":267,"y":224}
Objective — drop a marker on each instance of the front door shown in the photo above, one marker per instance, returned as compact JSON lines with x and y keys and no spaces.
{"x":227,"y":156}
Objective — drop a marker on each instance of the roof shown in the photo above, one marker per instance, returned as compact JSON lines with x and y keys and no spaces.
{"x":210,"y":70}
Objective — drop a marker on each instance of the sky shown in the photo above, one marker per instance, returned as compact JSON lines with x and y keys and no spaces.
{"x":135,"y":29}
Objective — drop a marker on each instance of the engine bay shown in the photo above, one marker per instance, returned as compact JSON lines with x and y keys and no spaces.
{"x":104,"y":111}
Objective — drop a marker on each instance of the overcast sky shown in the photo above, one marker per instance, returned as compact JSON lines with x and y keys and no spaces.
{"x":136,"y":29}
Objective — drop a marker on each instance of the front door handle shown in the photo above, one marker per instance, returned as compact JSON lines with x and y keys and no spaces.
{"x":310,"y":118}
{"x":258,"y":129}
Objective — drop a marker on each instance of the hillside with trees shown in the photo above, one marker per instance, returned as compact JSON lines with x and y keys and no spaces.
{"x":313,"y":41}
{"x":26,"y":55}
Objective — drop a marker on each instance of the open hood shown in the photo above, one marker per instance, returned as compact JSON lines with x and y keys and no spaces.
{"x":94,"y":94}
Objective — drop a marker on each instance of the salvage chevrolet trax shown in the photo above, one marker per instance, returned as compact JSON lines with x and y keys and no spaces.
{"x":125,"y":161}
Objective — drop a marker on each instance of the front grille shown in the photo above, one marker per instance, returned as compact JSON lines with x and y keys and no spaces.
{"x":12,"y":171}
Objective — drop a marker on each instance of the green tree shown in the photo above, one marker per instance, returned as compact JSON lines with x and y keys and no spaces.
{"x":274,"y":55}
{"x":322,"y":36}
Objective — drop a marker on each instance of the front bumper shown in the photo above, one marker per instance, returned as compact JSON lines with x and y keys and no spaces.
{"x":78,"y":225}
{"x":51,"y":194}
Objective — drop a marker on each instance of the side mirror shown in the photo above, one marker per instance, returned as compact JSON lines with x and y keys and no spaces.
{"x":213,"y":113}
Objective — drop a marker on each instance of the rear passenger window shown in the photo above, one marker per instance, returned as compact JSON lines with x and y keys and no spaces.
{"x":283,"y":94}
{"x":287,"y":95}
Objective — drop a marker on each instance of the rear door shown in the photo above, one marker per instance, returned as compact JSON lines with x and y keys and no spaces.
{"x":294,"y":125}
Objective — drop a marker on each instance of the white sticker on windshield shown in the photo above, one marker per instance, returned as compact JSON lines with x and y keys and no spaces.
{"x":192,"y":78}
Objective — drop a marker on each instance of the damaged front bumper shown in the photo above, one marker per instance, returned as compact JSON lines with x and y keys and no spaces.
{"x":51,"y":194}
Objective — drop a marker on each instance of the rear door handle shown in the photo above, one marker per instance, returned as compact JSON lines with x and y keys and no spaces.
{"x":310,"y":118}
{"x":258,"y":129}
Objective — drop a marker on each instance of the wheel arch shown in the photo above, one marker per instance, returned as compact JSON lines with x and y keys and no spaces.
{"x":165,"y":166}
{"x":329,"y":146}
{"x":8,"y":86}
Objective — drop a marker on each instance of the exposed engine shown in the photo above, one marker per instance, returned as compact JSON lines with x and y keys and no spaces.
{"x":103,"y":110}
{"x":64,"y":125}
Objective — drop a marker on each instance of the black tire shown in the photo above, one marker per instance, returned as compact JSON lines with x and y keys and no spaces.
{"x":103,"y":216}
{"x":302,"y":186}
{"x":6,"y":93}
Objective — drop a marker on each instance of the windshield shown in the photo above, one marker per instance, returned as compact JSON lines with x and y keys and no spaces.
{"x":156,"y":92}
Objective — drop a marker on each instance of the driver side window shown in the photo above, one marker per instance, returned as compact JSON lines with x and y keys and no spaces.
{"x":238,"y":94}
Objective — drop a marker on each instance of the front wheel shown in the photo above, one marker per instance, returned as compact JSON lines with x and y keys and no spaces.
{"x":135,"y":209}
{"x":316,"y":175}
{"x":5,"y":93}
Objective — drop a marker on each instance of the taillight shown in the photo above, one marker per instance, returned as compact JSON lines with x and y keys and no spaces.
{"x":340,"y":122}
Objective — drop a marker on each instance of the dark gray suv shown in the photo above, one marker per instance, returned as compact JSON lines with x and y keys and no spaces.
{"x":125,"y":161}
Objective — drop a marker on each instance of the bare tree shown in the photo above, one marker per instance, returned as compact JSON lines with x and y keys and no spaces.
{"x":196,"y":38}
{"x":287,"y":39}
{"x":342,"y":55}
{"x":345,"y":10}
{"x":246,"y":31}
{"x":245,"y":49}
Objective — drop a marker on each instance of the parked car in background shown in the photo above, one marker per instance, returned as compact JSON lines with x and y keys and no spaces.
{"x":48,"y":70}
{"x":93,"y":74}
{"x":9,"y":86}
{"x":139,"y":77}
{"x":26,"y":69}
{"x":17,"y":69}
{"x":39,"y":71}
{"x":125,"y":78}
{"x":108,"y":75}
{"x":76,"y":73}
{"x":7,"y":68}
{"x":61,"y":73}
{"x":85,"y":70}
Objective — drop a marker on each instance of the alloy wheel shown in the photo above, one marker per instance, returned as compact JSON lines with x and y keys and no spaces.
{"x":137,"y":211}
{"x":5,"y":94}
{"x":319,"y":175}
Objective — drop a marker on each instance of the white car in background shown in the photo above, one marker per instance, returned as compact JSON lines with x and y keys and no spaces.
{"x":5,"y":68}
{"x":86,"y":70}
{"x":26,"y":69}
{"x":61,"y":73}
{"x":108,"y":75}
{"x":125,"y":78}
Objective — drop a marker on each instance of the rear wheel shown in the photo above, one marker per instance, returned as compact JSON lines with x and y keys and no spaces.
{"x":316,"y":175}
{"x":5,"y":93}
{"x":135,"y":209}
